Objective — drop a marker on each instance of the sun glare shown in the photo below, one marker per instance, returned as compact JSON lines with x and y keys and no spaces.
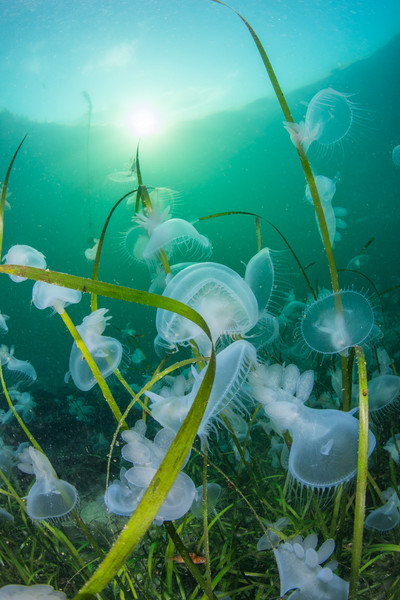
{"x":144,"y":122}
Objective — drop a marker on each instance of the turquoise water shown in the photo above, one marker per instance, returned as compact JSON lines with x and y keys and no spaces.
{"x":233,"y":160}
{"x":226,"y":152}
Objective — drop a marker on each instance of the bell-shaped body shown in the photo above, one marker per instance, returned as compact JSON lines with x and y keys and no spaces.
{"x":270,"y":539}
{"x":48,"y":295}
{"x":3,"y":324}
{"x":324,"y":452}
{"x":383,"y":393}
{"x":357,"y":262}
{"x":49,"y":497}
{"x":90,"y":253}
{"x":329,"y":116}
{"x":299,"y":565}
{"x":326,"y":190}
{"x":179,"y":499}
{"x":26,"y":256}
{"x":396,"y":156}
{"x":106,"y":351}
{"x":219,"y":294}
{"x":232,"y":368}
{"x":30,"y":592}
{"x":213,"y":493}
{"x":275,"y":383}
{"x":22,"y":369}
{"x":123,"y":496}
{"x":385,"y":517}
{"x":392,"y":446}
{"x":176,"y":236}
{"x":327,"y":329}
{"x":261,"y":277}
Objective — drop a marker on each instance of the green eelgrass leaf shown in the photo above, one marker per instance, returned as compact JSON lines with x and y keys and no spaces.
{"x":155,"y":494}
{"x":96,"y":265}
{"x":258,"y":217}
{"x":162,"y":481}
{"x":4,"y":192}
{"x":300,"y":150}
{"x":362,"y":471}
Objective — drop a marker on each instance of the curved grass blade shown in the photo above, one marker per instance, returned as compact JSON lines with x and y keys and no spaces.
{"x":95,"y":275}
{"x":300,"y":150}
{"x":155,"y":494}
{"x":4,"y":192}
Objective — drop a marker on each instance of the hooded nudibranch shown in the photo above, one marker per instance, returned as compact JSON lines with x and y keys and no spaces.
{"x":106,"y":351}
{"x":177,"y":235}
{"x":385,"y":517}
{"x":299,"y":565}
{"x":123,"y":495}
{"x":49,"y":497}
{"x":328,"y":330}
{"x":30,"y":592}
{"x":324,"y":453}
{"x":329,"y":118}
{"x":23,"y":255}
{"x":219,"y":294}
{"x":49,"y":295}
{"x":232,"y":369}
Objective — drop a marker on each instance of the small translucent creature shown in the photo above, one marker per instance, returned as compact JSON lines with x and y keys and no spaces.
{"x":26,"y":256}
{"x":396,"y":156}
{"x":385,"y":517}
{"x":324,"y":452}
{"x":22,"y":370}
{"x":327,"y":329}
{"x":326,"y":190}
{"x":30,"y":592}
{"x":263,"y":279}
{"x":232,"y":369}
{"x":329,"y":118}
{"x":123,"y":495}
{"x":383,"y":393}
{"x":90,"y":253}
{"x":270,"y":539}
{"x":213,"y":493}
{"x":3,"y":324}
{"x":7,"y":457}
{"x":24,"y":405}
{"x":300,"y":568}
{"x":106,"y":351}
{"x":49,"y":295}
{"x":220,"y":295}
{"x":49,"y":497}
{"x":392,"y":446}
{"x":128,"y":176}
{"x":358,"y":262}
{"x":275,"y":383}
{"x":176,"y":237}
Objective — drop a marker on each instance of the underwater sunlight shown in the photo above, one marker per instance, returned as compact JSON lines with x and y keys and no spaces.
{"x":236,"y":434}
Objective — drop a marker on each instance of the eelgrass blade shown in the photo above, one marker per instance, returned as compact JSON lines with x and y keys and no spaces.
{"x":95,"y":275}
{"x":4,"y":192}
{"x":158,"y":489}
{"x":300,"y":150}
{"x":362,"y":472}
{"x":188,"y":561}
{"x":95,"y":369}
{"x":257,"y":218}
